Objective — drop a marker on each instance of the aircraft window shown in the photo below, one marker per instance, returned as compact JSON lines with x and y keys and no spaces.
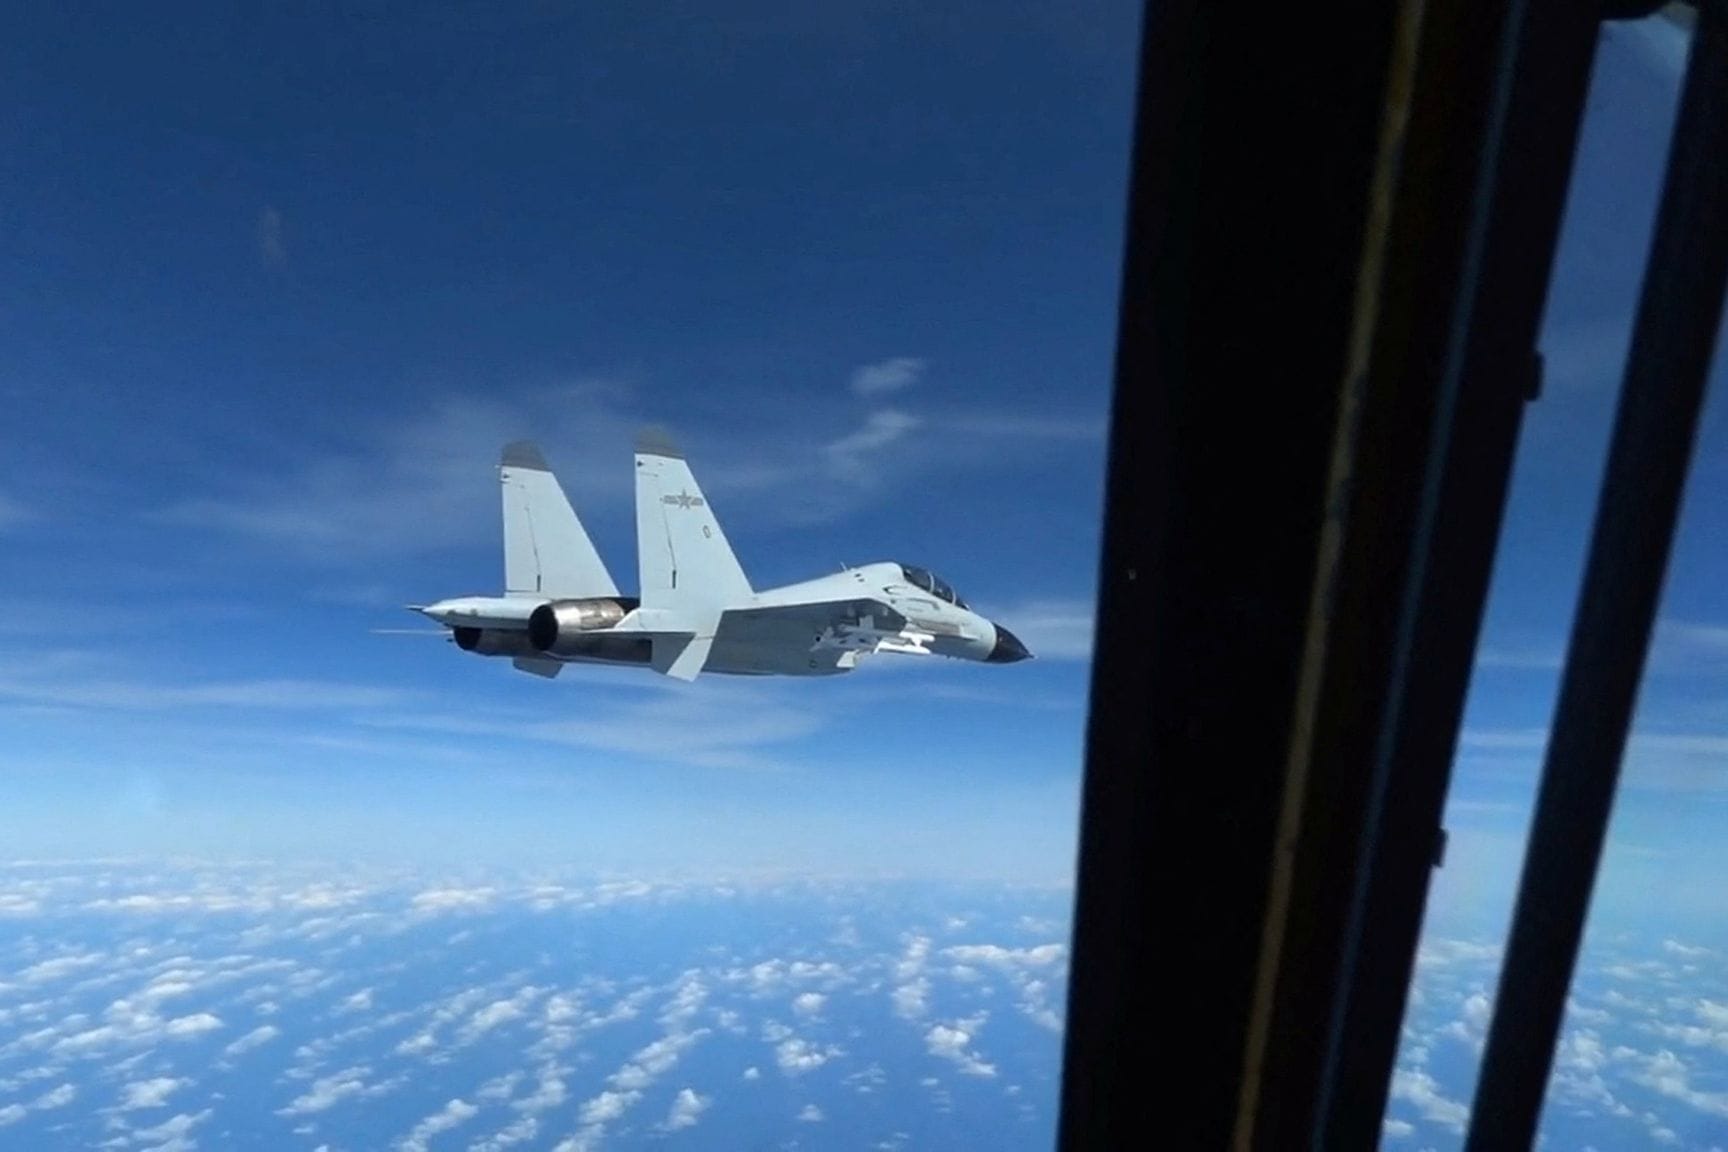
{"x":933,"y":584}
{"x":1642,"y":932}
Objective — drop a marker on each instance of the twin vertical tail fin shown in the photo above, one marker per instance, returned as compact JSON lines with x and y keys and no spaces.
{"x":689,"y":575}
{"x":684,"y":559}
{"x":687,"y":567}
{"x":547,"y":553}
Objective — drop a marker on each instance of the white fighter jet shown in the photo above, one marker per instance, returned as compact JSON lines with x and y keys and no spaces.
{"x":695,"y":611}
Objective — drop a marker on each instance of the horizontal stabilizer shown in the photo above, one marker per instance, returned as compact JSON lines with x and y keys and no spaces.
{"x":535,"y":666}
{"x":681,"y":657}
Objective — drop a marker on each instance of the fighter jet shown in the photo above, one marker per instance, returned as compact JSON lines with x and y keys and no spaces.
{"x":695,"y":612}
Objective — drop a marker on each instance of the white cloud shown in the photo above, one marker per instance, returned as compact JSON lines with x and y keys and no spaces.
{"x":1441,"y":953}
{"x":1671,"y":1076}
{"x":1052,"y":628}
{"x":12,"y":1113}
{"x":655,"y":1059}
{"x":1397,"y":1129}
{"x":1042,"y":956}
{"x":608,"y":1106}
{"x":420,"y":481}
{"x":150,"y":1093}
{"x":808,"y":1003}
{"x":752,"y":1073}
{"x":852,"y":456}
{"x":48,"y":971}
{"x":810,"y":1114}
{"x":359,"y":1002}
{"x":153,"y":695}
{"x":521,"y":1131}
{"x":132,"y":1022}
{"x":501,"y":1087}
{"x":56,"y":1098}
{"x":193,"y":1025}
{"x":912,"y":1000}
{"x":953,"y":1042}
{"x":687,"y":1000}
{"x":550,"y":1093}
{"x":261,"y":1035}
{"x":1686,"y":951}
{"x":174,"y":1128}
{"x":498,"y":1012}
{"x":687,"y":1107}
{"x":1421,"y":1090}
{"x":438,"y":899}
{"x":453,"y":1113}
{"x":797,"y":1056}
{"x":327,"y":1092}
{"x":912,"y":961}
{"x":886,"y":376}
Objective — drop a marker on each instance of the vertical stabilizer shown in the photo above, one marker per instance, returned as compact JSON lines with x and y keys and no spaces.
{"x":684,"y":558}
{"x":546,"y":550}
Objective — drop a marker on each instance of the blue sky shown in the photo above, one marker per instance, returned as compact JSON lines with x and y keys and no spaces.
{"x":280,"y":287}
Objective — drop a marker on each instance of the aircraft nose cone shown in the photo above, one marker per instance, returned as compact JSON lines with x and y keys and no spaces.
{"x":1008,"y":648}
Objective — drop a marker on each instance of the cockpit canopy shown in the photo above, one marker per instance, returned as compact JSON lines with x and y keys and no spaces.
{"x":932,"y":583}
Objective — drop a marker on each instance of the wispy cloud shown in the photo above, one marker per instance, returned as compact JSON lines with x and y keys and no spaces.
{"x":254,"y":1039}
{"x":327,"y":1092}
{"x":172,"y":1134}
{"x":421,"y":483}
{"x":498,"y":1012}
{"x":1052,"y":628}
{"x":57,"y":1097}
{"x":1053,"y":428}
{"x":856,"y":456}
{"x":152,"y":1093}
{"x":711,"y":724}
{"x":887,"y":376}
{"x":453,"y":1113}
{"x":148,"y":695}
{"x":1528,"y":659}
{"x":1683,"y":762}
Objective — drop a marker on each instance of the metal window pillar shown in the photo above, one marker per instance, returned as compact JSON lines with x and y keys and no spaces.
{"x":1327,"y":338}
{"x":1255,"y":141}
{"x":1673,"y":340}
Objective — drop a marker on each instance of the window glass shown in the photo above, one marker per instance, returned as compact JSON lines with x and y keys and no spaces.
{"x":1639,"y":1064}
